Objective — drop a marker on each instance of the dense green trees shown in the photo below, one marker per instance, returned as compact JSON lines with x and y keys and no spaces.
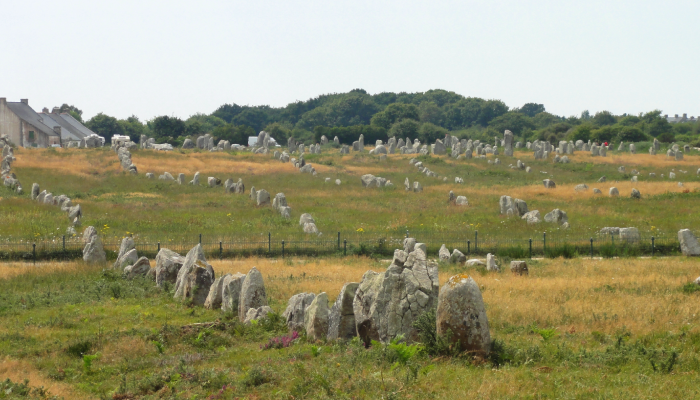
{"x":423,"y":115}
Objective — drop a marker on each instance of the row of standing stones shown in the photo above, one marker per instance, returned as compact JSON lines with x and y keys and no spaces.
{"x":380,"y":307}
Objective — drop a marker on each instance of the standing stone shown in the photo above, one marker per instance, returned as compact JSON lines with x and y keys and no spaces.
{"x":262,"y":197}
{"x":168,"y":264}
{"x":556,"y":216}
{"x":633,"y":149}
{"x":188,"y":144}
{"x":195,"y":180}
{"x":491,"y":263}
{"x":295,"y":311}
{"x":341,"y":322}
{"x":613,"y":192}
{"x":508,"y":143}
{"x":213,"y":301}
{"x":457,"y":257}
{"x":279,"y":201}
{"x":549,"y":184}
{"x":369,"y":180}
{"x":88,"y":233}
{"x":439,"y":148}
{"x":231,"y":292}
{"x":252,"y":293}
{"x":444,"y":254}
{"x":181,"y":178}
{"x":126,"y":246}
{"x":94,"y":253}
{"x":689,"y":243}
{"x":417,"y":187}
{"x":635,"y":194}
{"x":407,"y":183}
{"x":35,"y":191}
{"x":386,"y":304}
{"x":195,"y":277}
{"x":316,"y":318}
{"x":461,"y":311}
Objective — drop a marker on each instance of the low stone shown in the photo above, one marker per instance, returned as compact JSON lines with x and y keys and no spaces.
{"x":491,"y":263}
{"x":597,"y":191}
{"x":443,"y":254}
{"x":341,"y":321}
{"x":461,"y":201}
{"x":613,"y":192}
{"x":474,"y":263}
{"x":126,"y":246}
{"x":581,"y":187}
{"x":457,"y":257}
{"x":168,"y":264}
{"x":256,"y":314}
{"x":140,"y":268}
{"x":556,"y":216}
{"x":215,"y":296}
{"x":519,"y":268}
{"x":295,"y":311}
{"x":635,"y":194}
{"x":549,"y":184}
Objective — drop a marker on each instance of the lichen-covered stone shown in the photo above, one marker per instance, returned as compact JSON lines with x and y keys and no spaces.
{"x":462,"y":312}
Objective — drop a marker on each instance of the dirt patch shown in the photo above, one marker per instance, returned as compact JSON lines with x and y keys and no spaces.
{"x":18,"y":371}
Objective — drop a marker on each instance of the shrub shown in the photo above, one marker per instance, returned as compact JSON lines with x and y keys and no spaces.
{"x":255,"y":377}
{"x":280,"y":342}
{"x":79,"y":349}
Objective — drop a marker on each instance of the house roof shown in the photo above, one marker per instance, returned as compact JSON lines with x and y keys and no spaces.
{"x":68,"y":131}
{"x":26,"y":113}
{"x":77,"y":125}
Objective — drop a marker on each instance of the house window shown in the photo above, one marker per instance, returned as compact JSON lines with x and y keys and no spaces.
{"x":31,"y":136}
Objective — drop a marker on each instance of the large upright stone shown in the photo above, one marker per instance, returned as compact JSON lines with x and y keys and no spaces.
{"x":439,"y":148}
{"x":94,"y":253}
{"x":508,"y":143}
{"x":689,"y":243}
{"x":231,"y":292}
{"x":126,"y":246}
{"x":140,"y":268}
{"x":168,"y":264}
{"x":444,"y":253}
{"x":262,"y":197}
{"x":295,"y":311}
{"x":279,"y":201}
{"x":316,"y":318}
{"x":556,"y":216}
{"x":461,"y":311}
{"x":216,"y":291}
{"x":252,"y":293}
{"x":386,"y":304}
{"x":341,"y":323}
{"x":195,"y":277}
{"x":35,"y":191}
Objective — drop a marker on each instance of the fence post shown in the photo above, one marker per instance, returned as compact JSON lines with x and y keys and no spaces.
{"x":652,"y":246}
{"x":345,"y":247}
{"x":64,"y":243}
{"x":221,"y":249}
{"x":34,"y":252}
{"x":406,"y":232}
{"x":269,"y":242}
{"x":159,"y":247}
{"x":591,"y":248}
{"x":544,"y":245}
{"x":338,"y":240}
{"x":283,"y":249}
{"x":531,"y":248}
{"x":469,"y":243}
{"x":476,"y":241}
{"x":612,"y":239}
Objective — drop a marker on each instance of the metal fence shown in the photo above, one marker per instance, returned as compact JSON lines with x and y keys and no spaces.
{"x":360,"y":243}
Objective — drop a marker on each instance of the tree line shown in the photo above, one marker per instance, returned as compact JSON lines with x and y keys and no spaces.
{"x":426,"y":116}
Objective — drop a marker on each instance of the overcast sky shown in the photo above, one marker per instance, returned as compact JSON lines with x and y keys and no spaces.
{"x":151,"y":58}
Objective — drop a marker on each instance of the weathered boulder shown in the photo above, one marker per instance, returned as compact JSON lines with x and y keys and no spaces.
{"x":341,"y":321}
{"x":474,"y":263}
{"x":532,"y":217}
{"x":443,"y":254}
{"x":168,"y":264}
{"x":256,"y":314}
{"x":252,"y":293}
{"x":88,"y":233}
{"x":369,"y":180}
{"x":306,"y":218}
{"x":216,"y":291}
{"x":461,"y":201}
{"x":188,"y":144}
{"x":556,"y":216}
{"x":386,"y":304}
{"x":295,"y":311}
{"x":231,"y":292}
{"x":195,"y":277}
{"x":689,"y":243}
{"x":35,"y":191}
{"x":140,"y":268}
{"x":461,"y":311}
{"x":635,"y":194}
{"x":311,"y":228}
{"x":417,"y":187}
{"x":581,"y":187}
{"x":94,"y":253}
{"x":457,"y":257}
{"x":316,"y":318}
{"x":630,"y":235}
{"x":129,"y":258}
{"x":613,"y":192}
{"x":279,"y":201}
{"x":549,"y":184}
{"x":519,"y":268}
{"x":126,"y":246}
{"x":262,"y":197}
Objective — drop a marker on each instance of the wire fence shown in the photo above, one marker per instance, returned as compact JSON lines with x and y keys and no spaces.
{"x":560,"y":244}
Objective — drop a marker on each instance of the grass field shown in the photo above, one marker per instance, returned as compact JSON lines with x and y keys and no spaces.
{"x":574,"y":329}
{"x":118,"y":203}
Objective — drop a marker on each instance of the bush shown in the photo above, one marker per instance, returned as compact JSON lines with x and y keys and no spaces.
{"x":433,"y":344}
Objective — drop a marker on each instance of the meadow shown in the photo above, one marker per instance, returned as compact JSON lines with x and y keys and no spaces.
{"x":120,"y":204}
{"x":572,"y":329}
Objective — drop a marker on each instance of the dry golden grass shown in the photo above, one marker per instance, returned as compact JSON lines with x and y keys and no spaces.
{"x":19,"y":370}
{"x":586,"y":295}
{"x":76,"y":162}
{"x":11,"y":269}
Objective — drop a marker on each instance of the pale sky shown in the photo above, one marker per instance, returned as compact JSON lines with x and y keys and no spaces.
{"x":151,"y":58}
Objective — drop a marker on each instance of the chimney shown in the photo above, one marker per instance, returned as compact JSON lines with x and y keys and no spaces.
{"x":55,"y":110}
{"x":45,"y":110}
{"x":685,"y":115}
{"x":3,"y":100}
{"x":57,"y":129}
{"x":25,"y":101}
{"x":666,"y":116}
{"x":676,"y":115}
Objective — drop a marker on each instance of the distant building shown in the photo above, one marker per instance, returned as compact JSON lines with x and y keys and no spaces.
{"x":24,"y":127}
{"x":27,"y":128}
{"x":684,"y":118}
